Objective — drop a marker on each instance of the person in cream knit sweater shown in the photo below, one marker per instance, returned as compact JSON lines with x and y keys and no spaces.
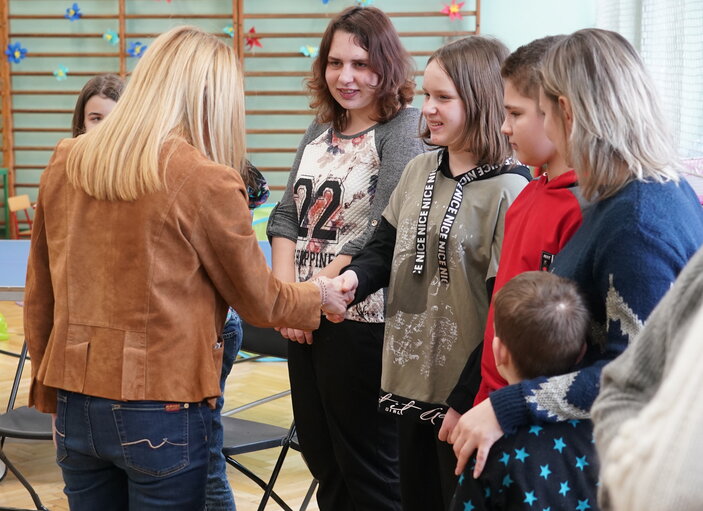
{"x":648,"y":417}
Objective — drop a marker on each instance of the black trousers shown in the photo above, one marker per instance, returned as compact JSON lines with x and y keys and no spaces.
{"x":427,"y":479}
{"x":350,"y":447}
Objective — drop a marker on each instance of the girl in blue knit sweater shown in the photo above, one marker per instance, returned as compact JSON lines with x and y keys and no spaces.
{"x":602,"y":113}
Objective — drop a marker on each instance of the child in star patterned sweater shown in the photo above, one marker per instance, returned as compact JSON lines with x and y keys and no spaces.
{"x":541,"y":328}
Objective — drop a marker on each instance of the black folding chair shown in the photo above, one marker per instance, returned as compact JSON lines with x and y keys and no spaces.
{"x":25,"y":423}
{"x":244,"y":436}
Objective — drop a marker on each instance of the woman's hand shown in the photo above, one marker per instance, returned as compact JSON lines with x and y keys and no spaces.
{"x":295,"y":335}
{"x":478,"y":429}
{"x":347,"y":284}
{"x":333,"y":297}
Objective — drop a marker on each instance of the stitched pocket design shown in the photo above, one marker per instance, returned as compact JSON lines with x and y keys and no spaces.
{"x":154,"y":437}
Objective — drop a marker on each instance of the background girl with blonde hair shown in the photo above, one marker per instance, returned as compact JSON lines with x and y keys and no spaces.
{"x":603,"y":115}
{"x":137,"y":221}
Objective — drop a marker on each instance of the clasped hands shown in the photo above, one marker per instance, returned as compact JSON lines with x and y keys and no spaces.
{"x":338,"y":293}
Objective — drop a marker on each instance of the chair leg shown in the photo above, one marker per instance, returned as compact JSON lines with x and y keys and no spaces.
{"x":260,"y":482}
{"x":277,"y":469}
{"x":37,"y":501}
{"x":309,"y":495}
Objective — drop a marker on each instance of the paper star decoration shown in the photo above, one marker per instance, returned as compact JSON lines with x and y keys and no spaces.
{"x":309,"y":51}
{"x":15,"y":53}
{"x":229,"y":30}
{"x":453,"y":10}
{"x":111,"y":37}
{"x":252,"y":40}
{"x":61,"y":73}
{"x":73,"y":13}
{"x":364,"y":3}
{"x":136,"y":49}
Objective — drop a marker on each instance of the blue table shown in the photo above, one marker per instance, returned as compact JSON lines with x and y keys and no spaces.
{"x":13,"y":268}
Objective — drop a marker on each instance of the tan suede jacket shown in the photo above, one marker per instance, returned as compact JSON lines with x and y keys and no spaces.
{"x":126,"y":300}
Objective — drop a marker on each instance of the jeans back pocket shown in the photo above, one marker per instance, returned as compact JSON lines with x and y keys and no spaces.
{"x":154,"y":436}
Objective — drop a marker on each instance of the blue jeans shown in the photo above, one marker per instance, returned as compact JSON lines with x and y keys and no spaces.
{"x":136,"y":455}
{"x":219,"y":494}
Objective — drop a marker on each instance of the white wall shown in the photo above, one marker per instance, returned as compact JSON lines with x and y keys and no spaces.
{"x":517,"y":22}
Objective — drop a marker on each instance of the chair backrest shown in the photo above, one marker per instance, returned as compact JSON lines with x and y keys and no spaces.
{"x":19,"y":202}
{"x":16,"y":204}
{"x":264,"y":341}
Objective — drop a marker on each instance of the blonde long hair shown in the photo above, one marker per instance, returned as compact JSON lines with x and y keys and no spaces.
{"x":187,"y":84}
{"x":619,"y":132}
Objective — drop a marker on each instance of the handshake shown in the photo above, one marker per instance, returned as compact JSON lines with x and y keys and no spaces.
{"x":335,"y":295}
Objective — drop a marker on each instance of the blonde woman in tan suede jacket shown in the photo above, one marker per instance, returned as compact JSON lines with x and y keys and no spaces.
{"x":142,"y":238}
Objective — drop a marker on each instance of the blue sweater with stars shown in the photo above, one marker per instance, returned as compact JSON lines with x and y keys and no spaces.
{"x":624,"y":258}
{"x":538,"y":468}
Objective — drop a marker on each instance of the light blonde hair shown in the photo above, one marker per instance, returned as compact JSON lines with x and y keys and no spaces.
{"x":187,"y":84}
{"x":619,"y":132}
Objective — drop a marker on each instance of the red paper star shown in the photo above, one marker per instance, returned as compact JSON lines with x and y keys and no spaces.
{"x":252,"y":40}
{"x":453,"y":10}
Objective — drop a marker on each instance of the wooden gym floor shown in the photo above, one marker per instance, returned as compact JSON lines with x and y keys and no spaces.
{"x":248,"y":382}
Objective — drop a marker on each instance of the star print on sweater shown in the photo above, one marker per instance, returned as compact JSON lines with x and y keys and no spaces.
{"x":555,"y":469}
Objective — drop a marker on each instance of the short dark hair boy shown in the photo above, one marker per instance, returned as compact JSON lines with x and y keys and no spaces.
{"x":541,"y":325}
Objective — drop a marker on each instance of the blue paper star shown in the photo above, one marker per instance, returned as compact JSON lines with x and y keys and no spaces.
{"x":229,"y":30}
{"x":581,"y":462}
{"x":15,"y":53}
{"x":505,"y":458}
{"x":583,"y":505}
{"x":507,"y":481}
{"x":364,"y":3}
{"x":559,"y":444}
{"x":469,"y":506}
{"x":520,"y":454}
{"x":574,"y":422}
{"x":544,"y":471}
{"x":564,"y":488}
{"x":530,"y":497}
{"x":73,"y":13}
{"x":534,"y":430}
{"x":136,"y":49}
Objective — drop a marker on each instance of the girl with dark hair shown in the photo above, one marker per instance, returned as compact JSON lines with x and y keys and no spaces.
{"x":347,"y":165}
{"x":96,"y":99}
